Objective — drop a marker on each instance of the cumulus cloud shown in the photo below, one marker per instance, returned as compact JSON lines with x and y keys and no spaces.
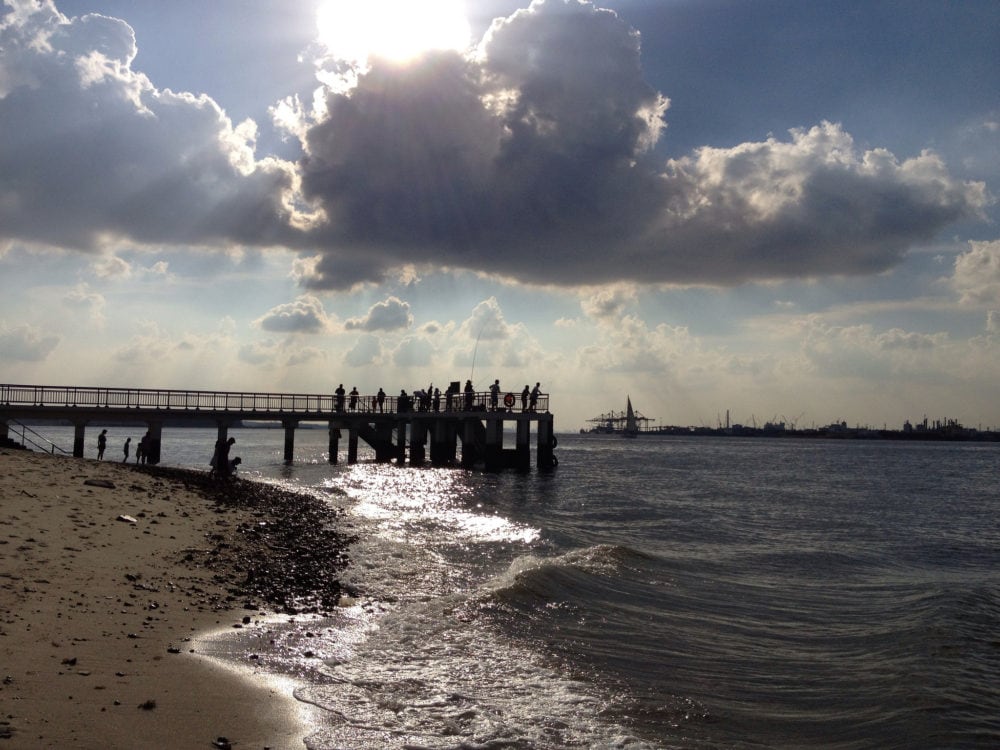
{"x":610,"y":302}
{"x":530,"y":159}
{"x":271,"y":353}
{"x":82,"y":297}
{"x":533,"y":161}
{"x":26,"y":343}
{"x":91,"y":150}
{"x":861,"y":351}
{"x":366,"y":351}
{"x":413,"y":351}
{"x":112,"y":267}
{"x":259,"y":352}
{"x":305,"y":355}
{"x":977,"y":273}
{"x":391,"y":314}
{"x":486,"y":322}
{"x":304,"y":315}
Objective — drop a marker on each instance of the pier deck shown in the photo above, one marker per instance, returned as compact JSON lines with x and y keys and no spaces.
{"x":397,"y":429}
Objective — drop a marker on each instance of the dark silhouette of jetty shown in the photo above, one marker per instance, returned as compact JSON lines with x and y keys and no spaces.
{"x":396,"y":427}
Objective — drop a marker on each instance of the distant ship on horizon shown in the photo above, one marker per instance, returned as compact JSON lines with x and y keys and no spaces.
{"x":631,"y":429}
{"x":629,"y":423}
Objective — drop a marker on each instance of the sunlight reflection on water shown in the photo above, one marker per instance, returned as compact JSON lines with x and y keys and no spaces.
{"x":427,"y":507}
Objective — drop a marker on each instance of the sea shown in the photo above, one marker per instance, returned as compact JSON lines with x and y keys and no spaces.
{"x":662,"y":592}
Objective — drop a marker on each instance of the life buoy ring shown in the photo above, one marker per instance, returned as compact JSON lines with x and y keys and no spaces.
{"x":508,"y":400}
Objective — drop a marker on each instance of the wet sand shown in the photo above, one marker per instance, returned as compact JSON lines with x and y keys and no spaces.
{"x":103,"y":587}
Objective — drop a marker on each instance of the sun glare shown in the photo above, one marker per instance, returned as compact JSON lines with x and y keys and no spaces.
{"x":356,"y":30}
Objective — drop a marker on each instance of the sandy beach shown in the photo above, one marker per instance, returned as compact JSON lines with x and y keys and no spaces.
{"x":106,"y":574}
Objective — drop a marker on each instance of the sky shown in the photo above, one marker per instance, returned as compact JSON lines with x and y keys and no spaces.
{"x":783,"y":209}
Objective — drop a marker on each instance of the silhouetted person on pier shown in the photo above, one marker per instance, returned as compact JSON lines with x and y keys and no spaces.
{"x":402,"y":402}
{"x":380,"y":399}
{"x":524,"y":398}
{"x":125,"y":449}
{"x":102,"y":443}
{"x":354,"y":398}
{"x":470,"y":395}
{"x":495,"y":395}
{"x":340,"y":397}
{"x":437,"y":400}
{"x":535,"y":393}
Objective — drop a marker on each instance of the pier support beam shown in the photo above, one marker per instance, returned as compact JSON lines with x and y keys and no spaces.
{"x":289,"y":425}
{"x":494,"y":442}
{"x":444,"y":442}
{"x":154,"y":443}
{"x":522,"y":461}
{"x":385,"y":448}
{"x":79,"y":433}
{"x":469,"y":451}
{"x":418,"y":442}
{"x":400,"y":442}
{"x":546,"y":443}
{"x":352,"y":445}
{"x":334,"y":441}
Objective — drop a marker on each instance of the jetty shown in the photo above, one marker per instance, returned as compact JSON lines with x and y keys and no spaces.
{"x":402,"y":428}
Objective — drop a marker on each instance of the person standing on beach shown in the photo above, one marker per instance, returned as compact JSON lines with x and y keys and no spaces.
{"x":102,"y":443}
{"x":222,"y":462}
{"x":125,"y":449}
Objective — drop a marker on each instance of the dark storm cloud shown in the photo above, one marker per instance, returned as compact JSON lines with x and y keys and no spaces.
{"x":532,"y":160}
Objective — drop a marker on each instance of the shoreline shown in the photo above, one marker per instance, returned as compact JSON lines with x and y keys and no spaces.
{"x":107,"y":573}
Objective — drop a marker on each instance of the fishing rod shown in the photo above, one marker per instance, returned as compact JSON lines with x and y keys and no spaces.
{"x":475,"y":350}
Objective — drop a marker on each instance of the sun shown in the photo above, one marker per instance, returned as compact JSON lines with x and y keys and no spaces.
{"x":398,"y":30}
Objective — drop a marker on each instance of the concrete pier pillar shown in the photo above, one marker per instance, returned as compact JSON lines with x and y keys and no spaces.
{"x":223,"y":433}
{"x":546,"y":444}
{"x":352,"y":445}
{"x":469,"y":451}
{"x":494,"y":442}
{"x":523,"y":457}
{"x":400,"y":442}
{"x":418,"y":442}
{"x":289,"y":426}
{"x":155,"y":442}
{"x":443,"y":442}
{"x":385,"y":450}
{"x":334,"y":441}
{"x":79,"y":432}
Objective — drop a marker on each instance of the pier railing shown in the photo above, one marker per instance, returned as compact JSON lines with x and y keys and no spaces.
{"x":265,"y":403}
